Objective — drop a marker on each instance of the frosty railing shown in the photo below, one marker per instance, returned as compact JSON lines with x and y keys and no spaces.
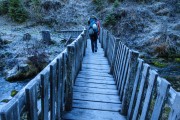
{"x":143,"y":93}
{"x":50,"y":92}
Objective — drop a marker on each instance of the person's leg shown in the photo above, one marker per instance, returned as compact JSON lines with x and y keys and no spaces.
{"x":95,"y":43}
{"x":92,"y":43}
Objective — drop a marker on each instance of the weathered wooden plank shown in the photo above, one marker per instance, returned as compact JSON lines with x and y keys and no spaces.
{"x":175,"y":108}
{"x":161,"y":97}
{"x":70,"y":77}
{"x":114,"y":55}
{"x":59,"y":89}
{"x":31,"y":98}
{"x":116,"y":63}
{"x":124,"y":73}
{"x":64,"y":75}
{"x":91,"y":80}
{"x":53,"y":82}
{"x":134,"y":96}
{"x":131,"y":74}
{"x":93,"y":73}
{"x":44,"y":96}
{"x":84,"y":114}
{"x":11,"y":111}
{"x":104,"y":62}
{"x":96,"y":97}
{"x":95,"y":85}
{"x":123,"y":70}
{"x":141,"y":89}
{"x":96,"y":105}
{"x":95,"y":70}
{"x":120,"y":64}
{"x":95,"y":90}
{"x":95,"y":77}
{"x":98,"y":67}
{"x":152,"y":79}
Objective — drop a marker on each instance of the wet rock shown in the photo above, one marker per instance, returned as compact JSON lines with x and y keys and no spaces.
{"x":26,"y":37}
{"x":23,"y":68}
{"x":18,"y":72}
{"x":177,"y":27}
{"x":158,"y":6}
{"x":12,"y":73}
{"x":164,"y":12}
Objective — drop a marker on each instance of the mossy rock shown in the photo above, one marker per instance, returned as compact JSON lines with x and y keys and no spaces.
{"x":159,"y":64}
{"x":13,"y":93}
{"x":177,"y":60}
{"x":5,"y":100}
{"x":21,"y":76}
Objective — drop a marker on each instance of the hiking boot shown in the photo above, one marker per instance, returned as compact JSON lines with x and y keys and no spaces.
{"x":95,"y":50}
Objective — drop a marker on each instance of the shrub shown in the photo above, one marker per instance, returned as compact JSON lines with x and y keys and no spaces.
{"x":99,"y":4}
{"x":111,"y":1}
{"x":16,"y":11}
{"x":36,"y":10}
{"x":4,"y":7}
{"x":116,"y":3}
{"x":110,"y":20}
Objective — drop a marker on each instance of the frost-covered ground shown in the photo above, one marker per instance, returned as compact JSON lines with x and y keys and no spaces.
{"x":14,"y":52}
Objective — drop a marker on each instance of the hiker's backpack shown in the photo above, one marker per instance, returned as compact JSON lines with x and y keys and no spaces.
{"x":93,"y":28}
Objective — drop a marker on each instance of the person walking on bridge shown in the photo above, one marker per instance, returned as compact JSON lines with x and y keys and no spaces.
{"x":94,"y":30}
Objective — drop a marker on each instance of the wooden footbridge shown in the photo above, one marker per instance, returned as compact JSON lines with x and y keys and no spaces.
{"x":112,"y":84}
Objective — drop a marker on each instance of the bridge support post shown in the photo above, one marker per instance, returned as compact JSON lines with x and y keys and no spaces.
{"x":133,"y":63}
{"x":106,"y":42}
{"x":70,"y":77}
{"x":114,"y":55}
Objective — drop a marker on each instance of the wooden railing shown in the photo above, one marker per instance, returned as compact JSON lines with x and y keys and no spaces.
{"x":144,"y":94}
{"x":50,"y":92}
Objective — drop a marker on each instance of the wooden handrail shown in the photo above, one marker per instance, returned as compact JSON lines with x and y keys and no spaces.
{"x":50,"y":88}
{"x":148,"y":93}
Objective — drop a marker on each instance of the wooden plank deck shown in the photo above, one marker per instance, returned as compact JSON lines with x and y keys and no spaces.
{"x":95,"y":96}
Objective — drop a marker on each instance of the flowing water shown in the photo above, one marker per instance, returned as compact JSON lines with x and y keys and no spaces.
{"x":6,"y":88}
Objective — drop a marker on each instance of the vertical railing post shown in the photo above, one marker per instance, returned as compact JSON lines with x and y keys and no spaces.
{"x":59,"y":88}
{"x":133,"y":63}
{"x":114,"y":55}
{"x":102,"y":38}
{"x":44,"y":94}
{"x":31,"y":98}
{"x":70,"y":76}
{"x":106,"y":43}
{"x":53,"y":82}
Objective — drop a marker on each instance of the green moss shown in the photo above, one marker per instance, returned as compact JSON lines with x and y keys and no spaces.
{"x":5,"y":100}
{"x":177,"y":60}
{"x":166,"y":112}
{"x":159,"y":64}
{"x":13,"y":93}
